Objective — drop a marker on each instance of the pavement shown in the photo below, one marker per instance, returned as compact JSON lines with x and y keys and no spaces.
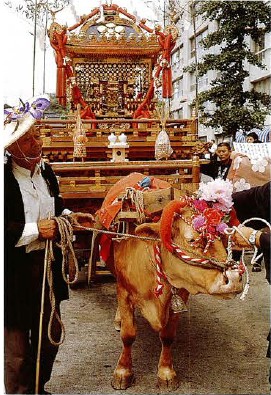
{"x":220,"y":346}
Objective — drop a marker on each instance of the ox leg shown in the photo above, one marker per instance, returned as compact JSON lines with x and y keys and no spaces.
{"x":117,"y":320}
{"x":123,"y":376}
{"x":167,"y":378}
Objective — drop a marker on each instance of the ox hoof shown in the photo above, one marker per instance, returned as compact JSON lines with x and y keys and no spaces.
{"x":117,"y":325}
{"x":122,"y":382}
{"x":167,"y":385}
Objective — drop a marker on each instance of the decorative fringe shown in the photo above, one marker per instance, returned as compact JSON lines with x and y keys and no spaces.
{"x":163,"y":148}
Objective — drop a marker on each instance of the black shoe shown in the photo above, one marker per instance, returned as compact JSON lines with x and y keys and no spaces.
{"x":256,"y":267}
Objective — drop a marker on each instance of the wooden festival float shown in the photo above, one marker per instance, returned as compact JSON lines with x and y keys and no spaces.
{"x":110,"y":67}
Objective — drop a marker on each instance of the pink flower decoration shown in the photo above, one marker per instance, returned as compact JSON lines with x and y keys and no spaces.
{"x":219,"y":206}
{"x":200,"y":204}
{"x":221,"y":227}
{"x":198,"y":222}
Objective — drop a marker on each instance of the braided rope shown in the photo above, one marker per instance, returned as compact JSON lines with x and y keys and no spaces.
{"x":123,"y":235}
{"x":160,"y":275}
{"x":184,"y":257}
{"x":253,"y":260}
{"x":66,"y":238}
{"x":54,"y":313}
{"x":212,"y":261}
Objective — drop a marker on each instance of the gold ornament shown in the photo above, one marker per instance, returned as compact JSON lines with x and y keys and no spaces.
{"x":79,"y":137}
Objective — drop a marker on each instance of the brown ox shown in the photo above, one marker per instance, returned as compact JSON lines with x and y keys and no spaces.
{"x":136,"y":273}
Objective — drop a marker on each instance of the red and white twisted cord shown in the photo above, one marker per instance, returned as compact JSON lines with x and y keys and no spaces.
{"x":160,"y":275}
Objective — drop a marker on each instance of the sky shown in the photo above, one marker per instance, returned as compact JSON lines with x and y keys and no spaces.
{"x":17,"y":69}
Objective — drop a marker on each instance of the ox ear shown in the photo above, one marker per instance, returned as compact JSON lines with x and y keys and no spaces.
{"x":167,"y":220}
{"x":148,"y":230}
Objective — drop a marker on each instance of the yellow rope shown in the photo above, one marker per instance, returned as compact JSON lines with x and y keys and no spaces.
{"x":54,"y":313}
{"x":66,"y":238}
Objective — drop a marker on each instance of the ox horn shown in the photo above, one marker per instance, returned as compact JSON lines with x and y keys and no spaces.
{"x":167,"y":220}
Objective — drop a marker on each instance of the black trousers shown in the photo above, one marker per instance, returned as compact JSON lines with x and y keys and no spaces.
{"x":21,"y":345}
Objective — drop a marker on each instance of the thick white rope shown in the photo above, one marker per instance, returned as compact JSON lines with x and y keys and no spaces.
{"x":253,"y":259}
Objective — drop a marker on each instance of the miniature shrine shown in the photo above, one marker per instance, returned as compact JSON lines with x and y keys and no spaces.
{"x":114,"y":77}
{"x":111,"y":63}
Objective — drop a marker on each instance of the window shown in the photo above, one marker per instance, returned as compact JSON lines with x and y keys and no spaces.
{"x":175,"y":89}
{"x":181,"y":56}
{"x":180,"y":113}
{"x":263,"y":86}
{"x":192,"y":47}
{"x":178,"y":88}
{"x":259,"y":48}
{"x":192,"y":82}
{"x":181,"y":87}
{"x":177,"y":57}
{"x":195,"y":44}
{"x":203,"y":81}
{"x":193,"y":8}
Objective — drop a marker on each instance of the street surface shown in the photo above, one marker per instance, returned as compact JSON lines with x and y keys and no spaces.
{"x":220,"y":346}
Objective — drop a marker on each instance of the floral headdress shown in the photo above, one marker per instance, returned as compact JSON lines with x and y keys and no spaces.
{"x":212,"y":207}
{"x":19,"y":120}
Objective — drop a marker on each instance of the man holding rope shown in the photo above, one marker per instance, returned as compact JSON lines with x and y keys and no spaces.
{"x":31,"y":198}
{"x":255,"y":203}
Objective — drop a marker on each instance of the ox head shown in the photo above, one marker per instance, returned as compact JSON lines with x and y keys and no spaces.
{"x":186,"y":261}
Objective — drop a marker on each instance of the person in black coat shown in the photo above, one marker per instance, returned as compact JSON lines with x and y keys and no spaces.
{"x":218,"y":168}
{"x":22,"y":293}
{"x":31,"y":192}
{"x":252,"y":203}
{"x":255,"y":202}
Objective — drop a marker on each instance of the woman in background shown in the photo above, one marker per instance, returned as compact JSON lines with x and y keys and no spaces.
{"x":253,"y":138}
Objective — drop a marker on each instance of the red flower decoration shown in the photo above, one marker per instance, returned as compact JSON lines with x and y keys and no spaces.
{"x":200,"y":204}
{"x":213,"y":216}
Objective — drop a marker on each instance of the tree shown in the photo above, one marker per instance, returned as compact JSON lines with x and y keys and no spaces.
{"x":234,"y":107}
{"x":32,"y":9}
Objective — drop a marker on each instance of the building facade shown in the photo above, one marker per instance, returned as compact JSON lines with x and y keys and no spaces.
{"x":188,"y":49}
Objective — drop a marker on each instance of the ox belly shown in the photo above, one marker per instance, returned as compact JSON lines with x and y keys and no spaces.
{"x":136,"y":273}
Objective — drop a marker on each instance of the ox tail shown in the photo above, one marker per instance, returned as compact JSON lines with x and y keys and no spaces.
{"x":167,"y":219}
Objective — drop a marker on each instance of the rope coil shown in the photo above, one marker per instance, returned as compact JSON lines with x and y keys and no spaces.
{"x":253,"y":259}
{"x":68,"y":257}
